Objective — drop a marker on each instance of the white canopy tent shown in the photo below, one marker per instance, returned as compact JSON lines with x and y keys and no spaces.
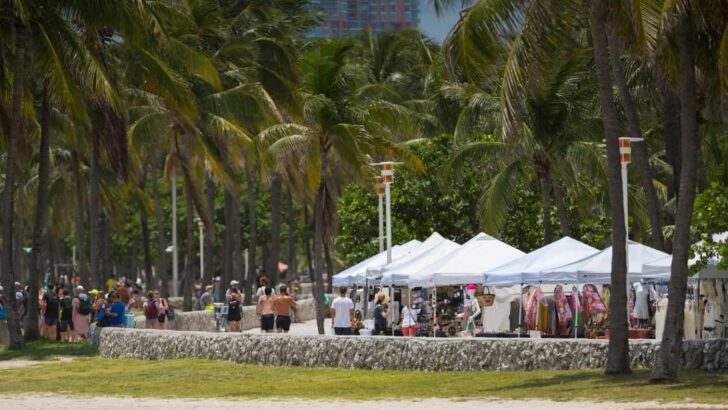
{"x":662,"y":266}
{"x":597,"y":268}
{"x":348,"y":276}
{"x":465,"y":264}
{"x":527,"y":268}
{"x":398,"y":272}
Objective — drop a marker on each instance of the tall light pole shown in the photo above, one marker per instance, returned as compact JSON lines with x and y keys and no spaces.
{"x":380,"y":195}
{"x":625,"y":158}
{"x":201,"y":226}
{"x":175,"y":264}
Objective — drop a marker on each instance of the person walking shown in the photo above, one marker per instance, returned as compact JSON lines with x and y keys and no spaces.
{"x":81,"y":309}
{"x":342,"y":313}
{"x":151,"y":312}
{"x":409,"y":320}
{"x":381,"y":313}
{"x":66,"y":317}
{"x":163,"y":307}
{"x":50,"y":308}
{"x":234,"y":302}
{"x":207,"y":300}
{"x":265,"y":310}
{"x":283,"y":304}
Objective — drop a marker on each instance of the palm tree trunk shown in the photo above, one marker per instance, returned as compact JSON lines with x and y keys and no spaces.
{"x":95,"y":232}
{"x":252,"y":235}
{"x":561,"y":207}
{"x":668,"y":358}
{"x":228,"y":245}
{"x":671,"y":122}
{"x":618,"y":356}
{"x":291,"y":272}
{"x":210,"y":237}
{"x":146,"y":238}
{"x":318,"y":245}
{"x":161,"y":263}
{"x":78,"y":219}
{"x":307,"y":240}
{"x":275,"y":229}
{"x":189,"y":274}
{"x":14,"y":136}
{"x":548,"y":235}
{"x":641,"y":156}
{"x":41,"y":210}
{"x":329,"y":268}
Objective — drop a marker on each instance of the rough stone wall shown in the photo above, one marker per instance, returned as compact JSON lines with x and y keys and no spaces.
{"x":393,"y":353}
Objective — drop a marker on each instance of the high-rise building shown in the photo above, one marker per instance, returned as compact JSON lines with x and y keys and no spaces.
{"x":343,"y":18}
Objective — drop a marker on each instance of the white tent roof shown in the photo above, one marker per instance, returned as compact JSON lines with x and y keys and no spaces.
{"x":466,"y":263}
{"x":662,"y":266}
{"x":598,"y":267}
{"x":527,"y":268}
{"x":348,"y":277}
{"x":431,"y":249}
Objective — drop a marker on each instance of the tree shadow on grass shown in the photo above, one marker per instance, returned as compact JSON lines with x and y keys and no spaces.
{"x":48,"y":350}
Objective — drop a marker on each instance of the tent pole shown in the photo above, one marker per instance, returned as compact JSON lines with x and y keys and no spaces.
{"x":434,"y":311}
{"x":576,"y":309}
{"x":520,"y":313}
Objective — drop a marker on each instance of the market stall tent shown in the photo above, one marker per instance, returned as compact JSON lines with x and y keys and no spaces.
{"x":527,"y":268}
{"x":397,"y":273}
{"x":662,"y":266}
{"x":348,"y":276}
{"x":597,"y":268}
{"x":465,"y":264}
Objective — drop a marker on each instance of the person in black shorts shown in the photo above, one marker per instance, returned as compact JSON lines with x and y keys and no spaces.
{"x":266,"y":311}
{"x":283,"y":304}
{"x":234,"y":310}
{"x":66,"y":323}
{"x":50,"y":316}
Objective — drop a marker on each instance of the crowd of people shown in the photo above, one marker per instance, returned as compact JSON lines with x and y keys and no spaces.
{"x":67,"y":309}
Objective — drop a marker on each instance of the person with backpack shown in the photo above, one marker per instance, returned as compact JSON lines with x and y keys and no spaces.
{"x":234,"y":310}
{"x":50,"y":308}
{"x":66,"y":317}
{"x":151,"y":312}
{"x":81,"y":309}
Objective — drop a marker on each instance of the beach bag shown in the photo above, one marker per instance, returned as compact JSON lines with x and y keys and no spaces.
{"x":170,"y":312}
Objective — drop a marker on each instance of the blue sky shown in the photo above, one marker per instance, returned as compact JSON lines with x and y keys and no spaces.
{"x":434,"y":27}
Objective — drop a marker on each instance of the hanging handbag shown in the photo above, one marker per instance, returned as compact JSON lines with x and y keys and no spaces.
{"x":487,"y":298}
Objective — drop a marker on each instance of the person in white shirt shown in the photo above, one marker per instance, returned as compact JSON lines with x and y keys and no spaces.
{"x":342,"y":312}
{"x":409,"y":320}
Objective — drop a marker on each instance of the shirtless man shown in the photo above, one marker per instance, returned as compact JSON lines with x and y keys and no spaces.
{"x":283,"y":304}
{"x":266,"y":311}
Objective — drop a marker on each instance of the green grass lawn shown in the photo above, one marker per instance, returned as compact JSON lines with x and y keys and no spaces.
{"x":217,"y":379}
{"x":44,"y":349}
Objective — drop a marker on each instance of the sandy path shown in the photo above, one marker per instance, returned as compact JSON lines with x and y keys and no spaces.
{"x":57,"y":402}
{"x":11,"y":364}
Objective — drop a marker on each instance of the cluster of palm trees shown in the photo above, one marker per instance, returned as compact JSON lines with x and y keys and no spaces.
{"x":110,"y":104}
{"x":107,"y":103}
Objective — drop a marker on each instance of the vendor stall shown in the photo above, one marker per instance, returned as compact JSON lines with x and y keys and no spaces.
{"x":348,"y":276}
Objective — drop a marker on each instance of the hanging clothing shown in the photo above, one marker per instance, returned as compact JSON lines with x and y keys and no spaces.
{"x":690,"y":328}
{"x":562,"y":305}
{"x":710,"y":316}
{"x":660,"y":315}
{"x":606,"y":295}
{"x":641,"y":305}
{"x":532,"y":308}
{"x":593,"y":302}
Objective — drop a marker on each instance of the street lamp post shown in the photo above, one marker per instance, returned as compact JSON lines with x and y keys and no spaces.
{"x":380,"y":195}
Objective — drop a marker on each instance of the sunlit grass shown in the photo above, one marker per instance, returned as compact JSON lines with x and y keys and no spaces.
{"x":45,"y":349}
{"x":218,"y":379}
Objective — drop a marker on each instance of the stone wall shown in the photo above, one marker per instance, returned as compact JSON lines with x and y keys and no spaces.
{"x":394,"y":353}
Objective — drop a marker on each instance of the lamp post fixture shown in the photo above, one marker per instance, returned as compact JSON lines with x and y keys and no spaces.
{"x":380,"y":194}
{"x":201,"y":226}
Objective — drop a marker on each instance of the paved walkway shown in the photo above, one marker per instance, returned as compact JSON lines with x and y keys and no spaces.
{"x":307,"y":328}
{"x":57,"y":402}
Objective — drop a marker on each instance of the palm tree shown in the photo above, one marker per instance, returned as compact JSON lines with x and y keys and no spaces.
{"x":667,"y":363}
